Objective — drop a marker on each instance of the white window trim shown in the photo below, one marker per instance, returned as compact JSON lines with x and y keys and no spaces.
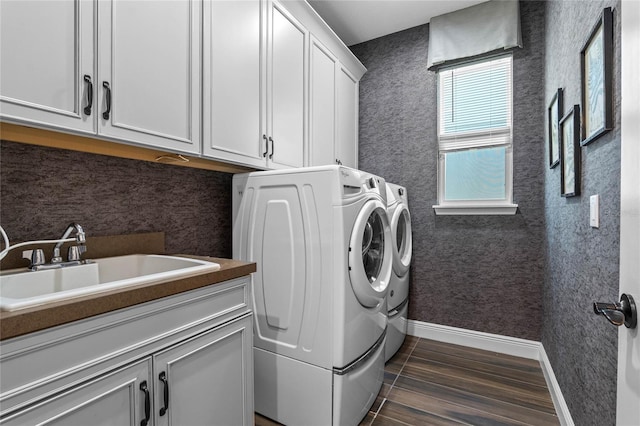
{"x":476,"y":210}
{"x":466,"y":141}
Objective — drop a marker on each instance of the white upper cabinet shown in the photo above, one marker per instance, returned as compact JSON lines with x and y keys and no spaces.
{"x":322,"y":110}
{"x":286,"y":95}
{"x":347,"y":104}
{"x":333,"y":115}
{"x":232,"y":81}
{"x":143,"y":88}
{"x":236,"y":81}
{"x":47,"y":70}
{"x":254,"y":84}
{"x":149,"y":72}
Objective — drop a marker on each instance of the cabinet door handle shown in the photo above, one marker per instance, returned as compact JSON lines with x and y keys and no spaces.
{"x":163,"y":379}
{"x":266,"y":146}
{"x":273,"y":148}
{"x":105,"y":114}
{"x":87,"y":109}
{"x":147,"y":404}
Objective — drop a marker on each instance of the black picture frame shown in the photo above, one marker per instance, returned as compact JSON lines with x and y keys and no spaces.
{"x":570,"y":153}
{"x":596,"y":65}
{"x":554,"y":114}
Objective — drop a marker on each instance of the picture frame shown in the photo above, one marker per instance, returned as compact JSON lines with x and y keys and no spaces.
{"x":570,"y":153}
{"x":554,"y":114}
{"x":596,"y":63}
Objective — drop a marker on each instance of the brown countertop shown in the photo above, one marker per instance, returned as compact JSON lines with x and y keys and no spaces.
{"x":28,"y":320}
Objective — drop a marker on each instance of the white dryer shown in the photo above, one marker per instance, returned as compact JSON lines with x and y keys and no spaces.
{"x":321,"y":240}
{"x":402,"y":244}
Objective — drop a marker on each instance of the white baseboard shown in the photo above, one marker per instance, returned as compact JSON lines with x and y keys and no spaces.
{"x":523,"y":348}
{"x":562,"y":410}
{"x":476,"y":339}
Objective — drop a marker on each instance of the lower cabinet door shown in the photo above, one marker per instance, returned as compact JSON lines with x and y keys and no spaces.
{"x":117,"y":398}
{"x":207,"y":380}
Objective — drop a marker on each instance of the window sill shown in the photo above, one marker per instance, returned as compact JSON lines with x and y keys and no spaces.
{"x":505,"y":209}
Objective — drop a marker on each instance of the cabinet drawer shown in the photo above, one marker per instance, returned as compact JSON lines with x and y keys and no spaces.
{"x":44,"y":362}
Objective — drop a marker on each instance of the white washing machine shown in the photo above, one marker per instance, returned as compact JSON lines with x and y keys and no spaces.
{"x":398,"y":295}
{"x":322,"y":244}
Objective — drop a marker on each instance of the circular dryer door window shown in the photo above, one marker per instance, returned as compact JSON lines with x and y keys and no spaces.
{"x":370,"y":254}
{"x":402,"y":244}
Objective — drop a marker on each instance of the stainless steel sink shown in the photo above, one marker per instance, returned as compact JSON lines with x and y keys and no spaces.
{"x":21,"y":288}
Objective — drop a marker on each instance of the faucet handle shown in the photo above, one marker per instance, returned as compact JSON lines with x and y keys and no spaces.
{"x":36,"y":257}
{"x":75,"y":252}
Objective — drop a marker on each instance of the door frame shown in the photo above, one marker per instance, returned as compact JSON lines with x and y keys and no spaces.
{"x":628,"y":391}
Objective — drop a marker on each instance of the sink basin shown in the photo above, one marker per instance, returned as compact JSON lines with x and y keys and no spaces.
{"x":21,"y":288}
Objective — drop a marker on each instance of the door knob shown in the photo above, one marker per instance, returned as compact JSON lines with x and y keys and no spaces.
{"x":618,"y":313}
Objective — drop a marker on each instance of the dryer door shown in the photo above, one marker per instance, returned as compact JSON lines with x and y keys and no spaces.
{"x":402,"y":243}
{"x":370,"y":254}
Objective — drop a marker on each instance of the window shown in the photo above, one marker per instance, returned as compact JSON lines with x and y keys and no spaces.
{"x":475,"y":165}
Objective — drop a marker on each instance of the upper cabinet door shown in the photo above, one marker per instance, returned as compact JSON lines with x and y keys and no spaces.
{"x":233,"y":86}
{"x":47,"y":63}
{"x":347,"y":140}
{"x":149,"y":72}
{"x":322,"y":105}
{"x":286,"y":81}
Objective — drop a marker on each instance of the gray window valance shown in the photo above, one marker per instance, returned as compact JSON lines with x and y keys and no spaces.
{"x":476,"y":30}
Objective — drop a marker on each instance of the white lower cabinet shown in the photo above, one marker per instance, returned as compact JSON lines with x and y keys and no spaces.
{"x":113,"y":399}
{"x":204,"y":381}
{"x":197,"y":371}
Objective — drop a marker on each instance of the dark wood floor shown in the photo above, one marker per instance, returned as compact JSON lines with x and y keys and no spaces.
{"x":434,"y":383}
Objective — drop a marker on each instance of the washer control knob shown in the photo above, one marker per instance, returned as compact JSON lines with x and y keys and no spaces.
{"x":372,"y":183}
{"x":400,"y":191}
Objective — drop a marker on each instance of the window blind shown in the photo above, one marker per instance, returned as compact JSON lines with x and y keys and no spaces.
{"x":475,"y":166}
{"x":475,"y":105}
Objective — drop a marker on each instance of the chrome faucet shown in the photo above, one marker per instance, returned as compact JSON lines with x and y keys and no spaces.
{"x":75,"y":251}
{"x":37,"y":258}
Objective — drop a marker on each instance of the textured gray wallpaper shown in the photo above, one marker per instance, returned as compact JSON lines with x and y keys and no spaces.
{"x":476,"y":272}
{"x":583,"y":263}
{"x":42,"y":190}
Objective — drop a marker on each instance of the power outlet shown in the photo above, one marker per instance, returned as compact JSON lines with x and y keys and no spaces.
{"x":594,"y":211}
